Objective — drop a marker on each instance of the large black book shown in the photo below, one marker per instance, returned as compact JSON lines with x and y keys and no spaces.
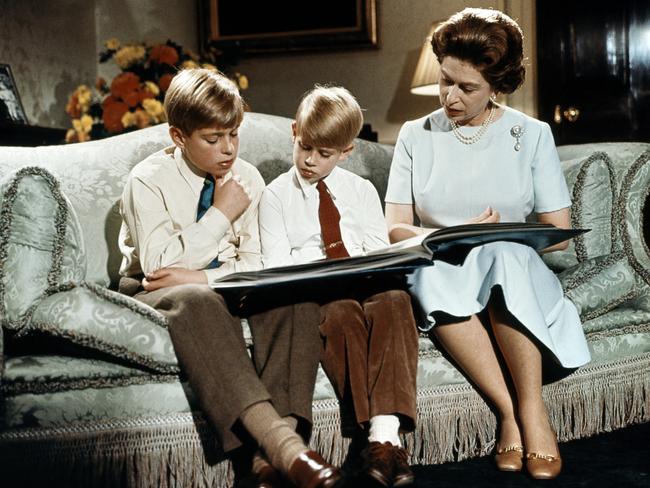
{"x":450,"y":244}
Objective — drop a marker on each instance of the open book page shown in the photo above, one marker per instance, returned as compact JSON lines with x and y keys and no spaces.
{"x":450,"y":244}
{"x":463,"y":237}
{"x":320,"y":269}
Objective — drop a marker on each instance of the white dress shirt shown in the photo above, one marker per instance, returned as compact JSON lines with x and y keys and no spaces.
{"x":159,"y":227}
{"x":288,"y":215}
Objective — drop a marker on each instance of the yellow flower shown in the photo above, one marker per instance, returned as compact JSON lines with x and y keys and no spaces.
{"x":152,"y":88}
{"x":84,"y":98}
{"x":189,"y":64}
{"x":86,"y":123}
{"x":242,"y":81}
{"x":129,"y":55}
{"x":113,"y":44}
{"x":209,"y":66}
{"x":83,"y":125}
{"x":71,"y":136}
{"x":155,"y":109}
{"x":129,"y":119}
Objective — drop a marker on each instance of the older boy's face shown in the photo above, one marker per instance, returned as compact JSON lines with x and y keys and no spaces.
{"x":211,"y":149}
{"x":315,"y":163}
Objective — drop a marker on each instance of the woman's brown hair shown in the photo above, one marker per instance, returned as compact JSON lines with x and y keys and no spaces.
{"x":488,"y":39}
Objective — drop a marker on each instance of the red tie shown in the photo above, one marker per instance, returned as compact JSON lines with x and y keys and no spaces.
{"x":329,"y":218}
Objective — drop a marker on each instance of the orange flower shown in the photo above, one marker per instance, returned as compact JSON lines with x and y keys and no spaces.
{"x":164,"y":81}
{"x":114,"y":110}
{"x":72,"y":108}
{"x":101,"y":85}
{"x":163,"y":54}
{"x":134,"y":98}
{"x":124,"y":84}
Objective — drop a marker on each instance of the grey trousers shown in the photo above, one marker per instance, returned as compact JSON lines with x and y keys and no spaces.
{"x":210,"y":347}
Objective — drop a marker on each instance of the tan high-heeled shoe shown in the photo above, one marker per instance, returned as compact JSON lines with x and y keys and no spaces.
{"x":543,"y":466}
{"x":510,"y":458}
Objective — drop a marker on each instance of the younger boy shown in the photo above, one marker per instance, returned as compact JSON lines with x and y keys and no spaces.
{"x":189,"y":217}
{"x":370,"y":341}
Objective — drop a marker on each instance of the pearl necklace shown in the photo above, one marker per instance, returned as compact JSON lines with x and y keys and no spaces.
{"x":478,"y":134}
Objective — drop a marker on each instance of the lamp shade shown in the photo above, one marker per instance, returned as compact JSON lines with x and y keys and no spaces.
{"x":427,"y":71}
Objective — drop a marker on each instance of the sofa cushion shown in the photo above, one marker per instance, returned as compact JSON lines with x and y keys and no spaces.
{"x":41,"y":245}
{"x":600,"y":284}
{"x":59,"y":391}
{"x":93,"y":317}
{"x":635,"y":190}
{"x":593,"y":194}
{"x":92,"y":175}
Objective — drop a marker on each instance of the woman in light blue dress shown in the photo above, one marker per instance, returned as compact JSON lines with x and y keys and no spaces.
{"x":475,"y":161}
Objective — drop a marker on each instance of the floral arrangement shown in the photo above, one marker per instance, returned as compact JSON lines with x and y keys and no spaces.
{"x":133,"y":100}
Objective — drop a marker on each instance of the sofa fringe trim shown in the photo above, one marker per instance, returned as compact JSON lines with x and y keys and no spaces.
{"x":454,"y":423}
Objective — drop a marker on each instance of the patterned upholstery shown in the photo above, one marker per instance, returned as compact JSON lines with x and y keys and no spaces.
{"x":120,"y":386}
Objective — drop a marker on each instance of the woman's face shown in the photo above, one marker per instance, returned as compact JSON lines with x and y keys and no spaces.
{"x":464,"y":93}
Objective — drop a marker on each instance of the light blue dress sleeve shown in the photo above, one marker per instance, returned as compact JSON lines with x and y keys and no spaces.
{"x":549,"y":185}
{"x":400,"y":188}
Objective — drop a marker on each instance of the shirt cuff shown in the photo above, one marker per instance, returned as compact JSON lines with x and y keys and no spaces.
{"x":215,"y":222}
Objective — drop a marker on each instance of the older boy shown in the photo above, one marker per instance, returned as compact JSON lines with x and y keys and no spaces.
{"x":370,"y":343}
{"x":189,"y":217}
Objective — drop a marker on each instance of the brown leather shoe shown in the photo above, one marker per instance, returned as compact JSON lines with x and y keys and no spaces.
{"x":268,"y":477}
{"x":379,"y":462}
{"x":310,"y":470}
{"x":402,"y":474}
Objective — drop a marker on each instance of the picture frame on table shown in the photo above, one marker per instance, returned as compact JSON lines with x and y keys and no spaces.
{"x":11,"y":108}
{"x":260,"y":27}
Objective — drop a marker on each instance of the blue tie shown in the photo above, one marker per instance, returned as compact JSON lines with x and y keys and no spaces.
{"x":205,"y":202}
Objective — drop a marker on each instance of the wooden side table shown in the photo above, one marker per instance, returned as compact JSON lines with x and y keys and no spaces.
{"x":30,"y":135}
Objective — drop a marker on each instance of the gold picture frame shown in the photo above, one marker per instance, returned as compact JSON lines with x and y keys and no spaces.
{"x":258,"y":27}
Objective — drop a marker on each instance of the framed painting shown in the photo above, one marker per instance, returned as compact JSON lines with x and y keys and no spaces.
{"x":263,"y":27}
{"x":11,"y":108}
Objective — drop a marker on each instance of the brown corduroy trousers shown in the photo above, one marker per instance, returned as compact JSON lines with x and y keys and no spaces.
{"x":370,"y":353}
{"x":210,"y":347}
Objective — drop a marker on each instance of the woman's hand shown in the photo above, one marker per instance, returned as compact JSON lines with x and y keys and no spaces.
{"x":489,"y":216}
{"x":166,"y":277}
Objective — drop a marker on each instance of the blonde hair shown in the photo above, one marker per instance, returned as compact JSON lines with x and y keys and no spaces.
{"x":199,"y":98}
{"x":328,"y":116}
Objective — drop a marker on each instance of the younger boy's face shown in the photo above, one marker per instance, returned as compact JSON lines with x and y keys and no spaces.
{"x":211,"y":149}
{"x":315,"y":163}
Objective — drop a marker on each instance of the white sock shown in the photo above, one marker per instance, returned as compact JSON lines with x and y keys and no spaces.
{"x":385,"y":428}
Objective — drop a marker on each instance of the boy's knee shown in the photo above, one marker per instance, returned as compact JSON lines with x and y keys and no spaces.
{"x":343,"y":308}
{"x":342,"y":316}
{"x":197,"y":296}
{"x":397,"y":298}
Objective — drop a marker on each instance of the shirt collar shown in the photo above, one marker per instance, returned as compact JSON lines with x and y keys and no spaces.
{"x":193,"y":175}
{"x":309,"y":189}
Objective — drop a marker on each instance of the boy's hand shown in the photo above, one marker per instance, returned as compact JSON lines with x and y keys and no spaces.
{"x":166,"y":277}
{"x":231,"y":198}
{"x":489,"y":216}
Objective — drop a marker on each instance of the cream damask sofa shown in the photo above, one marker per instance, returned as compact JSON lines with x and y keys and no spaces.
{"x":90,"y":390}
